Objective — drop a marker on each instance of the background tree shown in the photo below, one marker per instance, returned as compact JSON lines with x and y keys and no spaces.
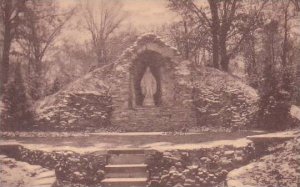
{"x":188,"y":37}
{"x":10,"y":17}
{"x":41,"y":25}
{"x":17,"y":114}
{"x":279,"y":71}
{"x":102,"y":20}
{"x":229,"y":22}
{"x":72,"y":59}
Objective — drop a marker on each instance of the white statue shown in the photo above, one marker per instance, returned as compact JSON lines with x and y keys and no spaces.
{"x":148,"y":85}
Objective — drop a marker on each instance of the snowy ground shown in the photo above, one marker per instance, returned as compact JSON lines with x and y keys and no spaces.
{"x":295,"y":111}
{"x":21,"y":174}
{"x":276,"y":169}
{"x":158,"y":141}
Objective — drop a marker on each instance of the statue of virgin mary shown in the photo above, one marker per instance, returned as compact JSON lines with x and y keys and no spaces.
{"x":148,"y":85}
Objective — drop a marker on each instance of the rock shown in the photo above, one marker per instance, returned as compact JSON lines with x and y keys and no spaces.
{"x":224,"y":172}
{"x":178,"y":185}
{"x":154,"y":183}
{"x":239,"y":158}
{"x":205,"y":159}
{"x":77,"y":174}
{"x":173,"y":168}
{"x":100,"y":173}
{"x":173,"y":172}
{"x":193,"y":167}
{"x":189,"y":182}
{"x":225,"y":162}
{"x":164,"y":177}
{"x":166,"y":171}
{"x":211,"y":176}
{"x":186,"y":171}
{"x":239,"y":153}
{"x":216,"y":157}
{"x":228,"y":153}
{"x":178,"y":164}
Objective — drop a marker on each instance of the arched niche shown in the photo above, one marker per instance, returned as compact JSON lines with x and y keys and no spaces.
{"x":172,"y":97}
{"x":160,"y":68}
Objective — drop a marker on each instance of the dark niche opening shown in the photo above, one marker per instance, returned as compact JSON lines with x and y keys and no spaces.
{"x":154,"y":61}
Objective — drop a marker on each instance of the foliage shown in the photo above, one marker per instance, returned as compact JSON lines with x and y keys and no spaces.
{"x":225,"y":23}
{"x":16,"y":114}
{"x":271,"y":55}
{"x":276,"y":86}
{"x":42,"y":23}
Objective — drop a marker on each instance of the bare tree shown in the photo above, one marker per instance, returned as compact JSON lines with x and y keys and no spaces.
{"x":188,"y":36}
{"x":296,"y":4}
{"x":102,"y":20}
{"x":10,"y":12}
{"x":228,"y":22}
{"x":41,"y":25}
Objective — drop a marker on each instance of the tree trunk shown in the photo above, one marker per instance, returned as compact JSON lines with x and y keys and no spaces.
{"x":224,"y":61}
{"x":285,"y":39}
{"x":215,"y":31}
{"x":5,"y":57}
{"x":187,"y":50}
{"x":6,"y":45}
{"x":287,"y":80}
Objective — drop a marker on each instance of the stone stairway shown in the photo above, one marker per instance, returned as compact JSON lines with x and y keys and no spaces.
{"x":126,"y":168}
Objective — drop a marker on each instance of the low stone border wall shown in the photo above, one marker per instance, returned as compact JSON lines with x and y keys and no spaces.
{"x":192,"y":168}
{"x":181,"y":168}
{"x":87,"y":169}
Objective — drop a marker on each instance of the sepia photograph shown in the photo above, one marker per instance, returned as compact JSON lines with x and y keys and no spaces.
{"x":149,"y":93}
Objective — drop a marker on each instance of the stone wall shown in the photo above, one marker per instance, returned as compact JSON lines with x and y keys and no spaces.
{"x":70,"y":167}
{"x":192,"y":168}
{"x":203,"y":167}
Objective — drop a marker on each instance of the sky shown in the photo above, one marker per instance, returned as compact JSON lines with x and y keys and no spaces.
{"x":142,"y":13}
{"x":146,"y":13}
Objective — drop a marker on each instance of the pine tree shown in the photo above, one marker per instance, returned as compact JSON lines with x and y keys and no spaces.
{"x":17,"y":114}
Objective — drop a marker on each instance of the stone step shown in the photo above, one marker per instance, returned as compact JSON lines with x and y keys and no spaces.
{"x":126,"y":151}
{"x":126,"y":159}
{"x":126,"y":168}
{"x":131,"y":174}
{"x":158,"y":113}
{"x":124,"y":182}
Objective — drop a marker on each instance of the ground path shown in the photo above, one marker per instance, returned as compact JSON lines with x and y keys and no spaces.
{"x":159,"y":141}
{"x":156,"y":140}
